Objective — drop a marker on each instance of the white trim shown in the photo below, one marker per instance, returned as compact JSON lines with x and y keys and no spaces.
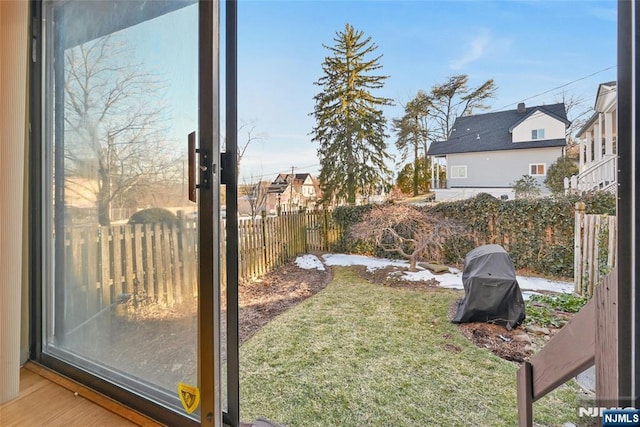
{"x":459,"y":167}
{"x":538,"y":164}
{"x":538,"y":132}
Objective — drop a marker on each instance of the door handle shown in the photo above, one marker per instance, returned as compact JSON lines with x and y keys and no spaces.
{"x":204,"y":167}
{"x":192,"y":169}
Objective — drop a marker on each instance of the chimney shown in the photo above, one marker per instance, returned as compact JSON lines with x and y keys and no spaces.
{"x":521,"y":108}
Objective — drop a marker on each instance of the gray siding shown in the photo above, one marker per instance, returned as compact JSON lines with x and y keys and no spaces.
{"x":499,"y":168}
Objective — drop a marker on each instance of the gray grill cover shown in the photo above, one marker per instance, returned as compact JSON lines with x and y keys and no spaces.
{"x":491,"y":291}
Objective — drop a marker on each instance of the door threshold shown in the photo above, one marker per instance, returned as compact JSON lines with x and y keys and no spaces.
{"x":91,"y":395}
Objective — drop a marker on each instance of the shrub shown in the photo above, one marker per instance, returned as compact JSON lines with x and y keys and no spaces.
{"x":563,"y":168}
{"x":406,"y":231}
{"x":526,"y":187}
{"x":345,"y":217}
{"x":152,"y":216}
{"x":538,"y":233}
{"x":455,"y":248}
{"x":543,"y":310}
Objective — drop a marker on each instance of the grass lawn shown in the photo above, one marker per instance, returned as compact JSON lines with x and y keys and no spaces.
{"x":360,"y":354}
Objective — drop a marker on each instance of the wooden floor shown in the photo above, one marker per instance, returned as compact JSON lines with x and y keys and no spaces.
{"x":43,"y":402}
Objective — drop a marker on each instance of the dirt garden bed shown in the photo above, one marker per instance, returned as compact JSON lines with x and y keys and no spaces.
{"x":263,"y":299}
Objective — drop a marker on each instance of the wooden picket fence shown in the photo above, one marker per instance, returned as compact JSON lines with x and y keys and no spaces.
{"x":158,"y":262}
{"x":267,"y":242}
{"x":595,"y":249}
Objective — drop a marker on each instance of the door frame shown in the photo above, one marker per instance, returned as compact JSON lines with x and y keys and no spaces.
{"x":208,"y":228}
{"x":628,"y":311}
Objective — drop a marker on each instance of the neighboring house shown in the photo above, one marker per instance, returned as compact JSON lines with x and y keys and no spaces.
{"x":489,"y":152}
{"x":293,"y":191}
{"x":378,"y":194}
{"x":597,"y":145}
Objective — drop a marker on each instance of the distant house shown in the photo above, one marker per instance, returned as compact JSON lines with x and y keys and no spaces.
{"x":489,"y":152}
{"x":293,"y":191}
{"x":598,"y":145}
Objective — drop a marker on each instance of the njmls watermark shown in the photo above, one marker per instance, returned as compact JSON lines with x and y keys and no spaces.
{"x":612,"y":416}
{"x":598,"y":411}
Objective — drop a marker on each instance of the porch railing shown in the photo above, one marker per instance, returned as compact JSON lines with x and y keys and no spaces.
{"x":600,"y":175}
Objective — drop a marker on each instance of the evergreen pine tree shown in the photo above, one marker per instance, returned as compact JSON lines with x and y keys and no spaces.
{"x":350,"y":125}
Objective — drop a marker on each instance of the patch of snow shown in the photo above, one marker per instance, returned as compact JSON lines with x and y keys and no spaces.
{"x":542,"y":284}
{"x":371,"y":263}
{"x":309,"y":262}
{"x":416,"y":276}
{"x":452,"y":280}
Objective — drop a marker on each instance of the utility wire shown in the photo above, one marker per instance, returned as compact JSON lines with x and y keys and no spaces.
{"x":263,"y":175}
{"x":555,"y":88}
{"x":267,"y":174}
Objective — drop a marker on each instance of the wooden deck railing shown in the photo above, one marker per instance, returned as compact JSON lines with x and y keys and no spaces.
{"x":589,"y":338}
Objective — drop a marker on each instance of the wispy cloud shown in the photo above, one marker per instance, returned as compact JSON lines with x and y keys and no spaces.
{"x":476,"y":50}
{"x":299,"y":136}
{"x":604,"y":13}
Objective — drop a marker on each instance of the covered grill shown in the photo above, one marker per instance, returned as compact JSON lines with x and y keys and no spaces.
{"x":491,"y":291}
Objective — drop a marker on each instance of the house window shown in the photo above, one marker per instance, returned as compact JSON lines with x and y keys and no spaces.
{"x":458,"y":171}
{"x":537,"y":134}
{"x":537,"y":169}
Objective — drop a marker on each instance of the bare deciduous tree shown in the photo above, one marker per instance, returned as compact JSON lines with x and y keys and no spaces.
{"x":115,"y":133}
{"x":578,"y":113}
{"x":256,"y":193}
{"x":248,"y":130}
{"x":246,"y":136}
{"x":406,"y":231}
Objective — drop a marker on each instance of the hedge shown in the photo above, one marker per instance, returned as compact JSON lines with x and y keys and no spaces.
{"x":538,"y":233}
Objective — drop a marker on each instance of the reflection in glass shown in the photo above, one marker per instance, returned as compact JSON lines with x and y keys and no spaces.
{"x":123,"y":97}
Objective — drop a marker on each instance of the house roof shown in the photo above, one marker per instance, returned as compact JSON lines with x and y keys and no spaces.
{"x":281,"y":182}
{"x":492,"y":131}
{"x":587,"y":125}
{"x":603,"y":89}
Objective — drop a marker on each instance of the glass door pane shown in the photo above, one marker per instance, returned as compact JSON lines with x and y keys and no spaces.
{"x":121,"y":90}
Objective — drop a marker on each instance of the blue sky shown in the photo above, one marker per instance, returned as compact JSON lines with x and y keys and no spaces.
{"x":527,"y":47}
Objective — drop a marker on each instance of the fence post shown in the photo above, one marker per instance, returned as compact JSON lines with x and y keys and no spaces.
{"x":325,"y":229}
{"x":525,"y":395}
{"x":595,"y":254}
{"x":606,"y":348}
{"x":577,"y":248}
{"x":263,"y":225}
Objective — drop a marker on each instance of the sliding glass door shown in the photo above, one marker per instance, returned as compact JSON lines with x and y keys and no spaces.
{"x":130,"y":260}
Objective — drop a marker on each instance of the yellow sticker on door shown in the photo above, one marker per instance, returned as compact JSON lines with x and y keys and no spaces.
{"x":189,"y":396}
